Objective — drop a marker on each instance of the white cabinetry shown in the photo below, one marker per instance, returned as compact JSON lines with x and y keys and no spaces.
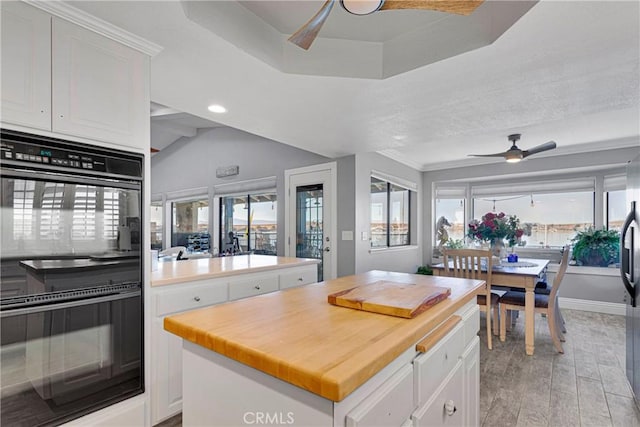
{"x":26,"y":65}
{"x":298,"y":276}
{"x":62,"y":78}
{"x":166,"y":357}
{"x":99,"y":87}
{"x":252,"y":285}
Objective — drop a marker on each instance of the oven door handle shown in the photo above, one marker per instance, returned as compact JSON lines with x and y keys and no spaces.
{"x":70,"y":179}
{"x":68,"y":304}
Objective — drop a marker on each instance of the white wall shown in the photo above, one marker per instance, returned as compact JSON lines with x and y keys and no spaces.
{"x":403,"y":259}
{"x":346,"y":196}
{"x":191,"y":163}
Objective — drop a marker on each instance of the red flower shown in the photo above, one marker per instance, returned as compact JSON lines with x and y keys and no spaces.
{"x":501,"y":215}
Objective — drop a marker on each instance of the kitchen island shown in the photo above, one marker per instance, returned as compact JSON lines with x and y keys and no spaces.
{"x":179,"y":286}
{"x":291,"y":358}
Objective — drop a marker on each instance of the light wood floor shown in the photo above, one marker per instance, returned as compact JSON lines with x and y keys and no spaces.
{"x":586,"y":386}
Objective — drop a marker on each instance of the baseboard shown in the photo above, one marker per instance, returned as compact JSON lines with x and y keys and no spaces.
{"x":596,"y":306}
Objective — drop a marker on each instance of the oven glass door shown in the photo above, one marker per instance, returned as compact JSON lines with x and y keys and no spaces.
{"x":70,"y":293}
{"x":64,"y":362}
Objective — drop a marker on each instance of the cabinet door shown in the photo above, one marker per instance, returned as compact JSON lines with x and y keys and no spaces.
{"x":166,"y":389}
{"x":100,"y":87}
{"x":471,"y":402}
{"x":26,"y":65}
{"x":389,"y":405}
{"x":444,"y":408}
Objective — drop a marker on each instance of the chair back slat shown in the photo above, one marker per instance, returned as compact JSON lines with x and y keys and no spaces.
{"x":559,"y":275}
{"x":468,"y":263}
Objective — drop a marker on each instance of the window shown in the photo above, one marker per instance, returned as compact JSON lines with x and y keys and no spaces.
{"x":616,"y":209}
{"x":111,"y":211}
{"x":449,"y":220}
{"x":84,"y":213}
{"x":51,"y":213}
{"x":390,"y":207}
{"x":549,"y":220}
{"x":23,"y":209}
{"x":189,"y":218}
{"x":156,"y":225}
{"x":248,"y":223}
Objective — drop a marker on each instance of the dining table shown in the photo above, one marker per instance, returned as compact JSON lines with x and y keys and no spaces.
{"x":524,"y":274}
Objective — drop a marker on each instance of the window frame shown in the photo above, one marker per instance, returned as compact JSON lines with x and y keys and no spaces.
{"x":247,"y":196}
{"x":389,"y":184}
{"x":604,"y":180}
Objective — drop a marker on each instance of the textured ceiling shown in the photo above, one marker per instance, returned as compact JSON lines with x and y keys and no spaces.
{"x":565,"y":71}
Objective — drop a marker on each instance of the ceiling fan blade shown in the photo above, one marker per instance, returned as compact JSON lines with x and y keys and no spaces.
{"x":539,"y":149}
{"x":309,"y":31}
{"x":459,"y":7}
{"x":489,"y":155}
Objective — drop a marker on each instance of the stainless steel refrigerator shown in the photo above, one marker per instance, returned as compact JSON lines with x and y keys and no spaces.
{"x":630,"y":273}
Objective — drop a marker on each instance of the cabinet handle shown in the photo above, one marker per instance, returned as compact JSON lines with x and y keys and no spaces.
{"x":300,"y":279}
{"x":434,"y":337}
{"x":450,"y":407}
{"x":197,"y":299}
{"x":257,"y":287}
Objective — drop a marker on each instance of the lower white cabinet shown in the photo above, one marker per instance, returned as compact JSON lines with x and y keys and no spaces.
{"x":388,"y":405}
{"x":166,"y":357}
{"x":471,"y":365}
{"x":445,"y":407}
{"x":254,"y":284}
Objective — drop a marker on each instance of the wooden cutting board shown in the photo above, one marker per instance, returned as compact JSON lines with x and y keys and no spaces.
{"x":395,"y":299}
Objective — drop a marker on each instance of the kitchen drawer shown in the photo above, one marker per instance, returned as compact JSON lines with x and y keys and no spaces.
{"x":445,"y":406}
{"x":298,"y":276}
{"x":188,"y":297}
{"x":260,"y":284}
{"x":389,"y":405}
{"x":471,"y":319}
{"x":431,"y":368}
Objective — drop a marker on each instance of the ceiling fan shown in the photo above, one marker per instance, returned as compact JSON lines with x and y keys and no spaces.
{"x":514,"y":154}
{"x":309,"y":31}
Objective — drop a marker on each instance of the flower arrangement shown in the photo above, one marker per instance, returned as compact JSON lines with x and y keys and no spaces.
{"x":496,"y":226}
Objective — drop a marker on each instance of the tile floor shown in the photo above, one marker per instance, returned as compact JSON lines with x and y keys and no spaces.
{"x":584,"y":387}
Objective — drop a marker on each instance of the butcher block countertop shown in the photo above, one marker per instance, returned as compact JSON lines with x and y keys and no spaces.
{"x":169,"y":273}
{"x":297,"y":336}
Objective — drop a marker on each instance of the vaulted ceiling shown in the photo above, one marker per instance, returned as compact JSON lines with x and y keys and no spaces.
{"x":564,"y":71}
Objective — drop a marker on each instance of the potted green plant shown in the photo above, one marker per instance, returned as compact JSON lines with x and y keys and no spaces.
{"x":596,"y":247}
{"x":425,"y":269}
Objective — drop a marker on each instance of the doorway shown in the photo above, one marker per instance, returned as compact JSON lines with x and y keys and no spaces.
{"x":310,"y":216}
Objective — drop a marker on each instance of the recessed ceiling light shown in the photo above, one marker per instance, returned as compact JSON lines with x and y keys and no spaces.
{"x":215,"y":108}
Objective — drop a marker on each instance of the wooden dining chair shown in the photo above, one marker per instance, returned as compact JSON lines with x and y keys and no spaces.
{"x":547,"y":304}
{"x":468,"y":263}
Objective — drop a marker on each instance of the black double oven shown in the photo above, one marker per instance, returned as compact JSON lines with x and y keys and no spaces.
{"x":71,"y":305}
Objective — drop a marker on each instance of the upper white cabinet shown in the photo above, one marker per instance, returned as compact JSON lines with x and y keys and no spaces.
{"x":60,"y":77}
{"x":26,"y":66}
{"x":100,"y":87}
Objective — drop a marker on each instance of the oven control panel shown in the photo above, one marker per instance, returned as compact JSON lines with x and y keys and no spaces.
{"x":38,"y":153}
{"x":50,"y":156}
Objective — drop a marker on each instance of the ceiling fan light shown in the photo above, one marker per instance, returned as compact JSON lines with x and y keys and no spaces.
{"x":513,"y":157}
{"x":361,"y":7}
